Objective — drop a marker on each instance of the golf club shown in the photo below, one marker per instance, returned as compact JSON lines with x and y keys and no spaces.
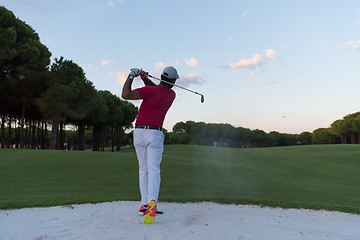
{"x":202,"y":96}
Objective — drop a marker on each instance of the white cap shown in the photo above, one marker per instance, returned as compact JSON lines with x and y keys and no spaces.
{"x":170,"y":72}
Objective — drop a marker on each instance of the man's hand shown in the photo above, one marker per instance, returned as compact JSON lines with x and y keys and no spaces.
{"x":143,"y":74}
{"x":135,"y":72}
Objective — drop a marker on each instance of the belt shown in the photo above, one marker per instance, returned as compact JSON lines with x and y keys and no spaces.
{"x":148,"y":127}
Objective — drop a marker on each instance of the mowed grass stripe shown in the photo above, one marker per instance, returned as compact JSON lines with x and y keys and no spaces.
{"x":45,"y":178}
{"x":324,"y":176}
{"x":301,"y":176}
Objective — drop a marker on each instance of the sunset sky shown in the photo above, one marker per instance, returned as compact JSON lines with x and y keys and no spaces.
{"x":287,"y":66}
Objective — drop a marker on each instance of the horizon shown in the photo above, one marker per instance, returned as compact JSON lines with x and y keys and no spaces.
{"x":289,"y":67}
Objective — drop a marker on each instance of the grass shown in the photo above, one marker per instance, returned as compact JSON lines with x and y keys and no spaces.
{"x":45,"y":178}
{"x":315,"y":177}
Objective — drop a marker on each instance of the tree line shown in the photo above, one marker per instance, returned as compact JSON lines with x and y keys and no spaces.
{"x":347,"y":128}
{"x":226,"y":135}
{"x":36,"y":96}
{"x":342,"y":131}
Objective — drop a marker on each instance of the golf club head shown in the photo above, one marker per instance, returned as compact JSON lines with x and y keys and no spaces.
{"x":202,"y":98}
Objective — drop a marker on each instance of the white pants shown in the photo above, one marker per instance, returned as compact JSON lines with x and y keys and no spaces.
{"x":149,"y":146}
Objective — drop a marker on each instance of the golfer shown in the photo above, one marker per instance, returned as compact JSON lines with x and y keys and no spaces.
{"x":148,"y":135}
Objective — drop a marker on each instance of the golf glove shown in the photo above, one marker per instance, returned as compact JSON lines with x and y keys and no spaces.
{"x":135,"y":72}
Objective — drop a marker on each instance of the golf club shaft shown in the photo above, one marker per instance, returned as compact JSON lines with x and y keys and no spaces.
{"x":176,"y":85}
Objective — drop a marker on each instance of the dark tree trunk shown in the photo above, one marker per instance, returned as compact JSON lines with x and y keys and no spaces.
{"x":61,"y":137}
{"x":9,"y":133}
{"x":81,"y":137}
{"x":119,"y":137}
{"x":42,"y":142}
{"x":37,"y":142}
{"x":3,"y":145}
{"x":113,"y":139}
{"x":46,"y":140}
{"x":22,"y":123}
{"x":54,"y":135}
{"x":27,"y":135}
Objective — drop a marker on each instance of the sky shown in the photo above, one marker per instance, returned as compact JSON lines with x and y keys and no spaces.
{"x":286,"y":66}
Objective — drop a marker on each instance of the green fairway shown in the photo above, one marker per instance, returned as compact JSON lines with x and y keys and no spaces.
{"x":316,"y":176}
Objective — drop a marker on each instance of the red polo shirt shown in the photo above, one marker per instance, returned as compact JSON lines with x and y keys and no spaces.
{"x":156,"y":102}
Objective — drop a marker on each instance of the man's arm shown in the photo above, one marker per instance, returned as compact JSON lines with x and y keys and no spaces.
{"x":127,"y":93}
{"x":146,"y":79}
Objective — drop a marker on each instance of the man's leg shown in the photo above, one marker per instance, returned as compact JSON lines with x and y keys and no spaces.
{"x":154,"y":156}
{"x":141,"y":152}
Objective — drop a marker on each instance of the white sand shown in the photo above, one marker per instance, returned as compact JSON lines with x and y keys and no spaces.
{"x":119,"y":220}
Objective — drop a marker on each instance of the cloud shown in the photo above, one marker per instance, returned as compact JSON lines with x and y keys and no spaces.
{"x":270,"y":82}
{"x":192,"y":62}
{"x":270,"y":54}
{"x":322,"y":43}
{"x":193,"y":78}
{"x":256,"y":60}
{"x":356,"y":47}
{"x":159,"y":66}
{"x":120,"y":77}
{"x":251,"y":62}
{"x":90,"y":67}
{"x":102,"y":4}
{"x":107,"y":62}
{"x":112,"y":3}
{"x":354,"y":44}
{"x":245,"y":13}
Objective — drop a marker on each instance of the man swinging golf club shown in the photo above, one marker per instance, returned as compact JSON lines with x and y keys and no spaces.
{"x":148,"y":137}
